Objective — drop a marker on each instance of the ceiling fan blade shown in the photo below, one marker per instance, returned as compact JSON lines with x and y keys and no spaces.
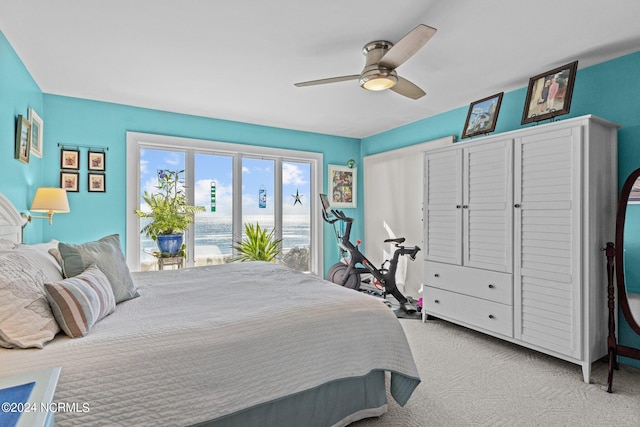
{"x":330,"y":80}
{"x":406,"y":88}
{"x":407,"y":46}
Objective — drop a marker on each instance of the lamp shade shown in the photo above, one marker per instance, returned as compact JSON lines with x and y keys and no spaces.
{"x":53,"y":200}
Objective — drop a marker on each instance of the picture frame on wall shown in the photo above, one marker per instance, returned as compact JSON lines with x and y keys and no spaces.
{"x":23,"y":139}
{"x":549,"y":94}
{"x":69,"y":159}
{"x":69,"y":181}
{"x":482,"y":116}
{"x":36,"y":133}
{"x":97,"y":183}
{"x":342,"y":186}
{"x":96,"y":161}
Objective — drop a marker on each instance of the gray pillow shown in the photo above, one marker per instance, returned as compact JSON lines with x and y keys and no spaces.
{"x":107,"y":255}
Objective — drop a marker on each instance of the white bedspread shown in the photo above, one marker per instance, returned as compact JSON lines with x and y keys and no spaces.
{"x":203,"y":342}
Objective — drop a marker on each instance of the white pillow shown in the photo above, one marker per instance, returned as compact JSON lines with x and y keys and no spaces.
{"x":40,"y":256}
{"x":25,"y":316}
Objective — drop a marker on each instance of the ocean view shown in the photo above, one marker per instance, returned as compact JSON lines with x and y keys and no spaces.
{"x":214,"y":237}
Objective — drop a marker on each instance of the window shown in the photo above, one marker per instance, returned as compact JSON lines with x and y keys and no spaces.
{"x":236,"y":184}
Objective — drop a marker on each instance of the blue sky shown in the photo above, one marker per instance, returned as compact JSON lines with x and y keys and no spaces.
{"x":256,"y":173}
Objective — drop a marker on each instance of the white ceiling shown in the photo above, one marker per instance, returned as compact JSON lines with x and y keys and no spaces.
{"x":238,"y":59}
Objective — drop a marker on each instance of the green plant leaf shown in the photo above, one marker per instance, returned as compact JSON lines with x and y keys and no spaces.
{"x":258,"y":245}
{"x":169,"y":211}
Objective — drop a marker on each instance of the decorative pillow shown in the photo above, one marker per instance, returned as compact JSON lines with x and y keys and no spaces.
{"x":81,"y":301}
{"x":107,"y":255}
{"x":25,"y":317}
{"x":39,"y":254}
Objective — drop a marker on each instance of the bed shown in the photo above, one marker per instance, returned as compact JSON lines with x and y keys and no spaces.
{"x":241,"y":344}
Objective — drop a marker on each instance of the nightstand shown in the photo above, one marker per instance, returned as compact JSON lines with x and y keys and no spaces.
{"x":35,"y":410}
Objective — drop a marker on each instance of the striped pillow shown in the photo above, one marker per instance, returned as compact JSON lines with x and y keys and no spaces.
{"x":79,"y":302}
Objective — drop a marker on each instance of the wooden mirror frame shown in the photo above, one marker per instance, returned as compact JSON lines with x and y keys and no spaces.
{"x":617,"y":252}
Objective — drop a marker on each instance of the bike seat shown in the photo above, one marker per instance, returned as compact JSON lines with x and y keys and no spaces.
{"x":397,"y":240}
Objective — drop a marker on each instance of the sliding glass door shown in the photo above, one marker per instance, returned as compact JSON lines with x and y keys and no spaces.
{"x":152,"y":163}
{"x":213,"y":189}
{"x":276,"y":190}
{"x":296,"y":215}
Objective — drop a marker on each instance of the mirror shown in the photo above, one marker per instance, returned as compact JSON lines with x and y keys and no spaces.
{"x":628,"y":250}
{"x":626,"y":253}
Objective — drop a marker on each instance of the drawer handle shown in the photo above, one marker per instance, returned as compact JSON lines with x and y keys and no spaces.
{"x":491,"y":316}
{"x":436,"y":275}
{"x":491,"y":286}
{"x":517,"y":205}
{"x":436,"y":301}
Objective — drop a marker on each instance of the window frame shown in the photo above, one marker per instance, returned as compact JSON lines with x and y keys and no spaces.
{"x":190,"y":146}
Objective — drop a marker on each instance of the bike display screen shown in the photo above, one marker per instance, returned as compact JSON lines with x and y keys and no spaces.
{"x":325,"y":202}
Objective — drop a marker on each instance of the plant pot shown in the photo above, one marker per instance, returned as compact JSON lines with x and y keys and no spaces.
{"x":169,"y":243}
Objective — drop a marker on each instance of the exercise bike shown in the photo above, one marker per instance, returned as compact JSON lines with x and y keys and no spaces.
{"x":349,"y":274}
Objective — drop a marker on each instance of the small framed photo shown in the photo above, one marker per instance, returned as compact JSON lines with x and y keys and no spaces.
{"x":97,"y":183}
{"x":342,"y":186}
{"x":96,"y":161}
{"x":69,"y":159}
{"x":69,"y":181}
{"x":36,"y":133}
{"x":549,"y":94}
{"x":482,"y":116}
{"x":23,"y":139}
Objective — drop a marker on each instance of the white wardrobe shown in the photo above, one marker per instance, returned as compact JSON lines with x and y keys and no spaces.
{"x":514,"y":225}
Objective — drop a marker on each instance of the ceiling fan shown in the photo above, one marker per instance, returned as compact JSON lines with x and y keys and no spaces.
{"x":383,"y":58}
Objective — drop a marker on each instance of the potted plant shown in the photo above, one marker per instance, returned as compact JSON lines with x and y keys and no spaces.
{"x":258,"y":245}
{"x":169,"y":212}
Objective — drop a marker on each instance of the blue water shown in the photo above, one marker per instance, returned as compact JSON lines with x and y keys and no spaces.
{"x":214,"y":236}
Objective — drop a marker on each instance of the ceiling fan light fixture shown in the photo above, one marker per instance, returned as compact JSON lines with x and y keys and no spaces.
{"x":378,"y":81}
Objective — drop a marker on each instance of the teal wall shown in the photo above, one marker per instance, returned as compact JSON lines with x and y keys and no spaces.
{"x":73,"y":121}
{"x":610,"y":90}
{"x":18,"y":93}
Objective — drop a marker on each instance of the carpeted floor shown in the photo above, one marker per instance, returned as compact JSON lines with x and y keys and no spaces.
{"x":470,"y":379}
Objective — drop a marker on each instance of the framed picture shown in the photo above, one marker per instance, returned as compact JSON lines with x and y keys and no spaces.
{"x":96,"y":161}
{"x":342,"y":186}
{"x":69,"y":181}
{"x":69,"y":159}
{"x":23,"y":139}
{"x":97,"y":183}
{"x":36,"y":133}
{"x":549,"y":94}
{"x":482,"y":116}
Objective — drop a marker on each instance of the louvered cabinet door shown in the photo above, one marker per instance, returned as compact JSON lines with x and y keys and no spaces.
{"x":488,"y":206}
{"x":443,"y":207}
{"x":547,"y":239}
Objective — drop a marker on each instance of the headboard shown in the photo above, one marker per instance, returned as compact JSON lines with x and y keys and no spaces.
{"x":11,"y":221}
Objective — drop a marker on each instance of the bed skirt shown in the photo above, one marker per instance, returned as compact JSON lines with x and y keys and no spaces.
{"x":336,"y":404}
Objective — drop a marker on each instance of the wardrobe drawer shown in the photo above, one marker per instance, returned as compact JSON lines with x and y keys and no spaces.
{"x":469,"y":311}
{"x":490,"y":285}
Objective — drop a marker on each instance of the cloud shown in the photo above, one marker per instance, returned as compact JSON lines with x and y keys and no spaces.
{"x":293,"y":175}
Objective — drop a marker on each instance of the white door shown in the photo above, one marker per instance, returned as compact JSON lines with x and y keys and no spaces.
{"x":487,"y":206}
{"x":547,"y":240}
{"x":443,"y":207}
